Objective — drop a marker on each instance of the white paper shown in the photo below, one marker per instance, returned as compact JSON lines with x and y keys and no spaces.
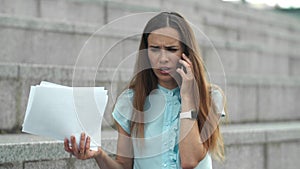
{"x":58,"y":112}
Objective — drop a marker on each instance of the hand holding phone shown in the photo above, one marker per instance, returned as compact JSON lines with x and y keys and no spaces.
{"x":179,"y":65}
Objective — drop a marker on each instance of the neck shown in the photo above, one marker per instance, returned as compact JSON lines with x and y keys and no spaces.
{"x":168,"y":85}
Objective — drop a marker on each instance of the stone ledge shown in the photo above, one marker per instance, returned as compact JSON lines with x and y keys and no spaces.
{"x":117,"y":3}
{"x":245,"y":11}
{"x":48,"y":25}
{"x":263,"y":80}
{"x":89,"y":29}
{"x":253,"y":133}
{"x":268,"y":17}
{"x":99,"y":10}
{"x":24,"y":147}
{"x":8,"y":70}
{"x":286,"y":35}
{"x":40,"y":71}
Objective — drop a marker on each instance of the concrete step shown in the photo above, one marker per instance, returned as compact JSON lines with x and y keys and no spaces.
{"x":250,"y":98}
{"x":270,"y":145}
{"x":56,"y":43}
{"x":212,"y":14}
{"x":228,"y":23}
{"x":269,"y":99}
{"x":233,"y":30}
{"x":97,"y":12}
{"x":38,"y":41}
{"x":239,"y":23}
{"x":235,"y":14}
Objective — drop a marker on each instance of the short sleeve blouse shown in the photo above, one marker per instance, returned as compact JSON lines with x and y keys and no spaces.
{"x":160,"y":145}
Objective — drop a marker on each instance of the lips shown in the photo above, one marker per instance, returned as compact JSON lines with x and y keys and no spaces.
{"x":164,"y":70}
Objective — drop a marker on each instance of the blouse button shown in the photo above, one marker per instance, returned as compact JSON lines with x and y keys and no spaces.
{"x":173,"y":157}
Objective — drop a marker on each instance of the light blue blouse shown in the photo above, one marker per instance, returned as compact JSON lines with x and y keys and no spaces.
{"x":159,"y":148}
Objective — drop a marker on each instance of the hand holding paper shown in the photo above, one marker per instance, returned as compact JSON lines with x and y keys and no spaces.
{"x":59,"y":111}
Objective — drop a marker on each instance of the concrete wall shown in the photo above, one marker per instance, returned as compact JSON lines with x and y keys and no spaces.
{"x":259,"y":55}
{"x":250,"y":99}
{"x":264,"y":52}
{"x":16,"y":80}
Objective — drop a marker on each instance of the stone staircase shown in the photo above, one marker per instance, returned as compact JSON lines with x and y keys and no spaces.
{"x":258,"y":51}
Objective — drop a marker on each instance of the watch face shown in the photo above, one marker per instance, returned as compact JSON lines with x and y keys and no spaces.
{"x":194,"y":114}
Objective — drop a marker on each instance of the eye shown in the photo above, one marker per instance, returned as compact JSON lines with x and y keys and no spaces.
{"x":173,"y":50}
{"x":154,"y":49}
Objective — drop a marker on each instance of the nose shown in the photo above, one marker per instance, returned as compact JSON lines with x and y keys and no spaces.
{"x":163,"y":57}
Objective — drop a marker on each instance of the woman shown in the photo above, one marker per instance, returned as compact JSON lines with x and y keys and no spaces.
{"x":167,"y":118}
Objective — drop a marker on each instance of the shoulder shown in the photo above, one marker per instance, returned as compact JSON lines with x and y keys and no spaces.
{"x":124,"y":100}
{"x":126,"y":96}
{"x":216,"y":92}
{"x":127,"y":92}
{"x":123,"y":109}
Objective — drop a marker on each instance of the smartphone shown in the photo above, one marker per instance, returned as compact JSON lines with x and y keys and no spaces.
{"x":185,"y":51}
{"x":180,"y":65}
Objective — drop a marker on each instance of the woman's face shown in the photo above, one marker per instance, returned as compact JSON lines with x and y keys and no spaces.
{"x":164,"y":51}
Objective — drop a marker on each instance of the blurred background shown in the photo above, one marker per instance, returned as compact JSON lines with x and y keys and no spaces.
{"x":251,"y":49}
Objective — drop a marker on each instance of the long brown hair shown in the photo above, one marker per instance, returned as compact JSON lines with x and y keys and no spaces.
{"x":144,"y":81}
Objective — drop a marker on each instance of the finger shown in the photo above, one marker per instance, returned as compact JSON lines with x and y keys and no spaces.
{"x":87,"y":146}
{"x":185,"y":64}
{"x":181,"y":72}
{"x":74,"y":146}
{"x":67,"y":146}
{"x":187,"y":59}
{"x":87,"y":143}
{"x":82,"y":144}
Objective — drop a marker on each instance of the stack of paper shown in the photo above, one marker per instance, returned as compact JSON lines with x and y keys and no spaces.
{"x":59,"y":111}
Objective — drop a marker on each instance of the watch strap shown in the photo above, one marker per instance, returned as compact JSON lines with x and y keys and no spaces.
{"x":192,"y":114}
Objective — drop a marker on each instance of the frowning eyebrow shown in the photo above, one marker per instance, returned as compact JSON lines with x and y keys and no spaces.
{"x":168,"y":47}
{"x":171,"y":47}
{"x":153,"y":46}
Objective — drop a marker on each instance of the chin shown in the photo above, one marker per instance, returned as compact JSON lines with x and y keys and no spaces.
{"x":167,"y":78}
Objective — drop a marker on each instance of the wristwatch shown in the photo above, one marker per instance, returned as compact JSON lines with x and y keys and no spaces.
{"x":192,"y":114}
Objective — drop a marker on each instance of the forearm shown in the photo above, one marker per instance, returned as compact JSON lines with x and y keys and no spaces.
{"x":124,"y":158}
{"x":106,"y":162}
{"x":191,"y":148}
